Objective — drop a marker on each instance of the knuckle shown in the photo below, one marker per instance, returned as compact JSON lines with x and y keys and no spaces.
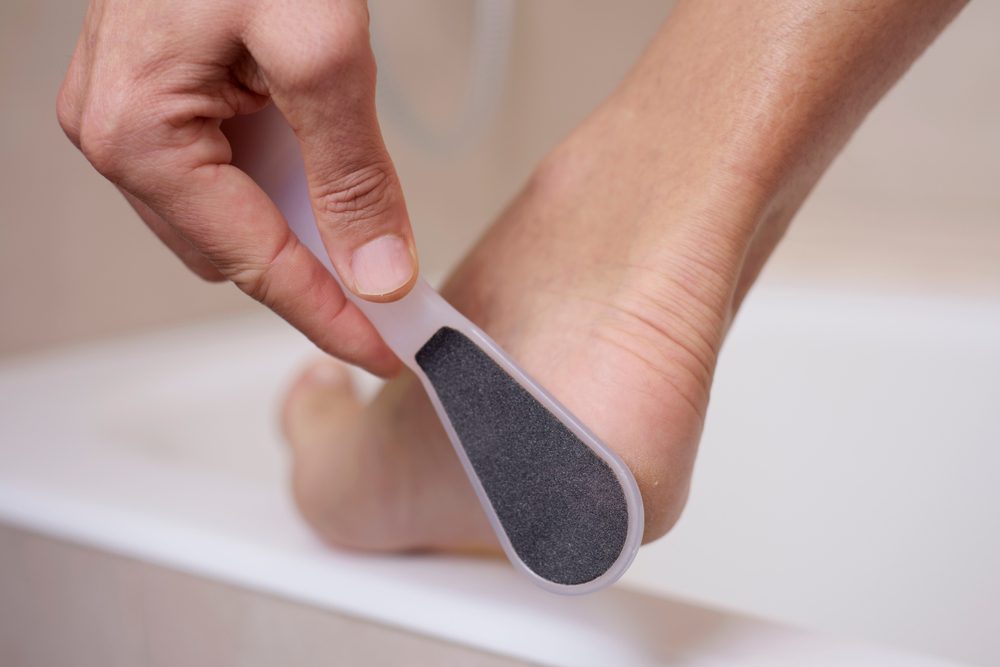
{"x":362,"y":196}
{"x":314,"y":68}
{"x":255,"y":276}
{"x":68,"y":114}
{"x":110,"y":127}
{"x":321,"y":59}
{"x":98,"y":147}
{"x":252,"y":279}
{"x":102,"y":141}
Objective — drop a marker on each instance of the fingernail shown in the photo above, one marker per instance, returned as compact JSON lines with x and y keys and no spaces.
{"x":382,"y":266}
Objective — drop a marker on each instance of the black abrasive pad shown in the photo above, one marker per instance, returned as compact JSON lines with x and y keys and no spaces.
{"x":561,"y":505}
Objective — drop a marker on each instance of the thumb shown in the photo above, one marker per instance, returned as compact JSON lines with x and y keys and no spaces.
{"x":325,"y":88}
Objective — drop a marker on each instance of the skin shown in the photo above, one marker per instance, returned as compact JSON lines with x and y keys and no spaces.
{"x":147,"y":90}
{"x":614,"y":276}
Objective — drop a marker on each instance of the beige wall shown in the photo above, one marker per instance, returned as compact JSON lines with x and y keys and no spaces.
{"x":914,"y":203}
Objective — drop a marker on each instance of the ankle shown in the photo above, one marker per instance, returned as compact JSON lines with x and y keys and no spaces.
{"x":678,"y":241}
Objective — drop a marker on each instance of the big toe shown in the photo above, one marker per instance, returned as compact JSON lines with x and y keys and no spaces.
{"x":318,"y":405}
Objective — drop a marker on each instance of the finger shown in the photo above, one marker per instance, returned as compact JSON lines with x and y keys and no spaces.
{"x":187,"y":253}
{"x":233,"y":223}
{"x":324,"y":85}
{"x":181,"y":172}
{"x":152,"y":126}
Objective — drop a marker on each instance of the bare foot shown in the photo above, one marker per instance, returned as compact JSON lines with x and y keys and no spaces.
{"x":612,"y":290}
{"x":614,"y":276}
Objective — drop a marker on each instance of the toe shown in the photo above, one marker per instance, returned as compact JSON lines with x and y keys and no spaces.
{"x":319,"y":403}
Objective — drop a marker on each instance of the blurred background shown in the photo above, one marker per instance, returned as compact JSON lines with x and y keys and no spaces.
{"x":469,"y":103}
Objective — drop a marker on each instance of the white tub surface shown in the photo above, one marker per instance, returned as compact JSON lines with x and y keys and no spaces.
{"x":164,"y":447}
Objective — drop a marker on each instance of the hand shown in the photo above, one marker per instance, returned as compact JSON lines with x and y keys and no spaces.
{"x":144,"y":98}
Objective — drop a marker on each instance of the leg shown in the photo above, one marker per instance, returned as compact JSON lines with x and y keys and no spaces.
{"x":614,"y":276}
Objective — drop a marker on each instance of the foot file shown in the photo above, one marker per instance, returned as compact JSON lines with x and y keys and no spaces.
{"x":565,"y":508}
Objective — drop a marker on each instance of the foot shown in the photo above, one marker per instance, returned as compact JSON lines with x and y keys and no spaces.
{"x":613,"y":290}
